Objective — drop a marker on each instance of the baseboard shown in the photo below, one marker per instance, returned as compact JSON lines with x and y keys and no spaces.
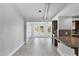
{"x":16,"y":49}
{"x":60,"y":52}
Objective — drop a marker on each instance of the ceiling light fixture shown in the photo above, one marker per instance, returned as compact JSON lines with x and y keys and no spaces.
{"x":39,"y":11}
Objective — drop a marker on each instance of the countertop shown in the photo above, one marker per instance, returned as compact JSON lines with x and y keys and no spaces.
{"x":70,"y":41}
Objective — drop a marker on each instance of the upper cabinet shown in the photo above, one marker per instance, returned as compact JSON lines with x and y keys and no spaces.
{"x":75,"y":27}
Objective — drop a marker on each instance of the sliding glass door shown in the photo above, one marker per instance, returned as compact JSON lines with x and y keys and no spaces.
{"x":41,"y":29}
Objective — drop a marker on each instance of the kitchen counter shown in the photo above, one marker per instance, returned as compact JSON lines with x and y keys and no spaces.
{"x":75,"y":35}
{"x":70,"y":41}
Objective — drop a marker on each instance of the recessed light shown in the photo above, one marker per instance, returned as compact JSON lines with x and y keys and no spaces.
{"x":39,"y":11}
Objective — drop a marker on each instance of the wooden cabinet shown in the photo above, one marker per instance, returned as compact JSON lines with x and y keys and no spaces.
{"x":54,"y":27}
{"x":75,"y":27}
{"x":54,"y":32}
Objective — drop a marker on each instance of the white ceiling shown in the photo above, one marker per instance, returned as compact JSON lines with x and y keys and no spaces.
{"x":55,"y":8}
{"x":31,"y":10}
{"x":69,"y":10}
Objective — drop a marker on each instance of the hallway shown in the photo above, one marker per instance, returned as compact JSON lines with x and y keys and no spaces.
{"x":38,"y":47}
{"x":35,"y":24}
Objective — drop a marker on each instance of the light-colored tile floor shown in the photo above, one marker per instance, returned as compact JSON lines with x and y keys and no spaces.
{"x":38,"y":47}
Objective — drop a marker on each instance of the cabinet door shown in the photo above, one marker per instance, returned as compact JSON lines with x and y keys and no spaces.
{"x":65,"y":50}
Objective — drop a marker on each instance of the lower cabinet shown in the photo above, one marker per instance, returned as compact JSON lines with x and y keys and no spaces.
{"x":65,"y":50}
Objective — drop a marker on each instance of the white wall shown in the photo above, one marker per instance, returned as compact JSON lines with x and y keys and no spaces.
{"x":11,"y":29}
{"x":28,"y":31}
{"x":65,"y":23}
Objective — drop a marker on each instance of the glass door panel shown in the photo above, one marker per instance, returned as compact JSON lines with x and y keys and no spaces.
{"x":42,"y":29}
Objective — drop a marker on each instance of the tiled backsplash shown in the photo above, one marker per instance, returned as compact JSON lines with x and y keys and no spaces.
{"x":64,"y":33}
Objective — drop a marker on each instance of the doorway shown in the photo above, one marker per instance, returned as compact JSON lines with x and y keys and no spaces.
{"x":38,"y":30}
